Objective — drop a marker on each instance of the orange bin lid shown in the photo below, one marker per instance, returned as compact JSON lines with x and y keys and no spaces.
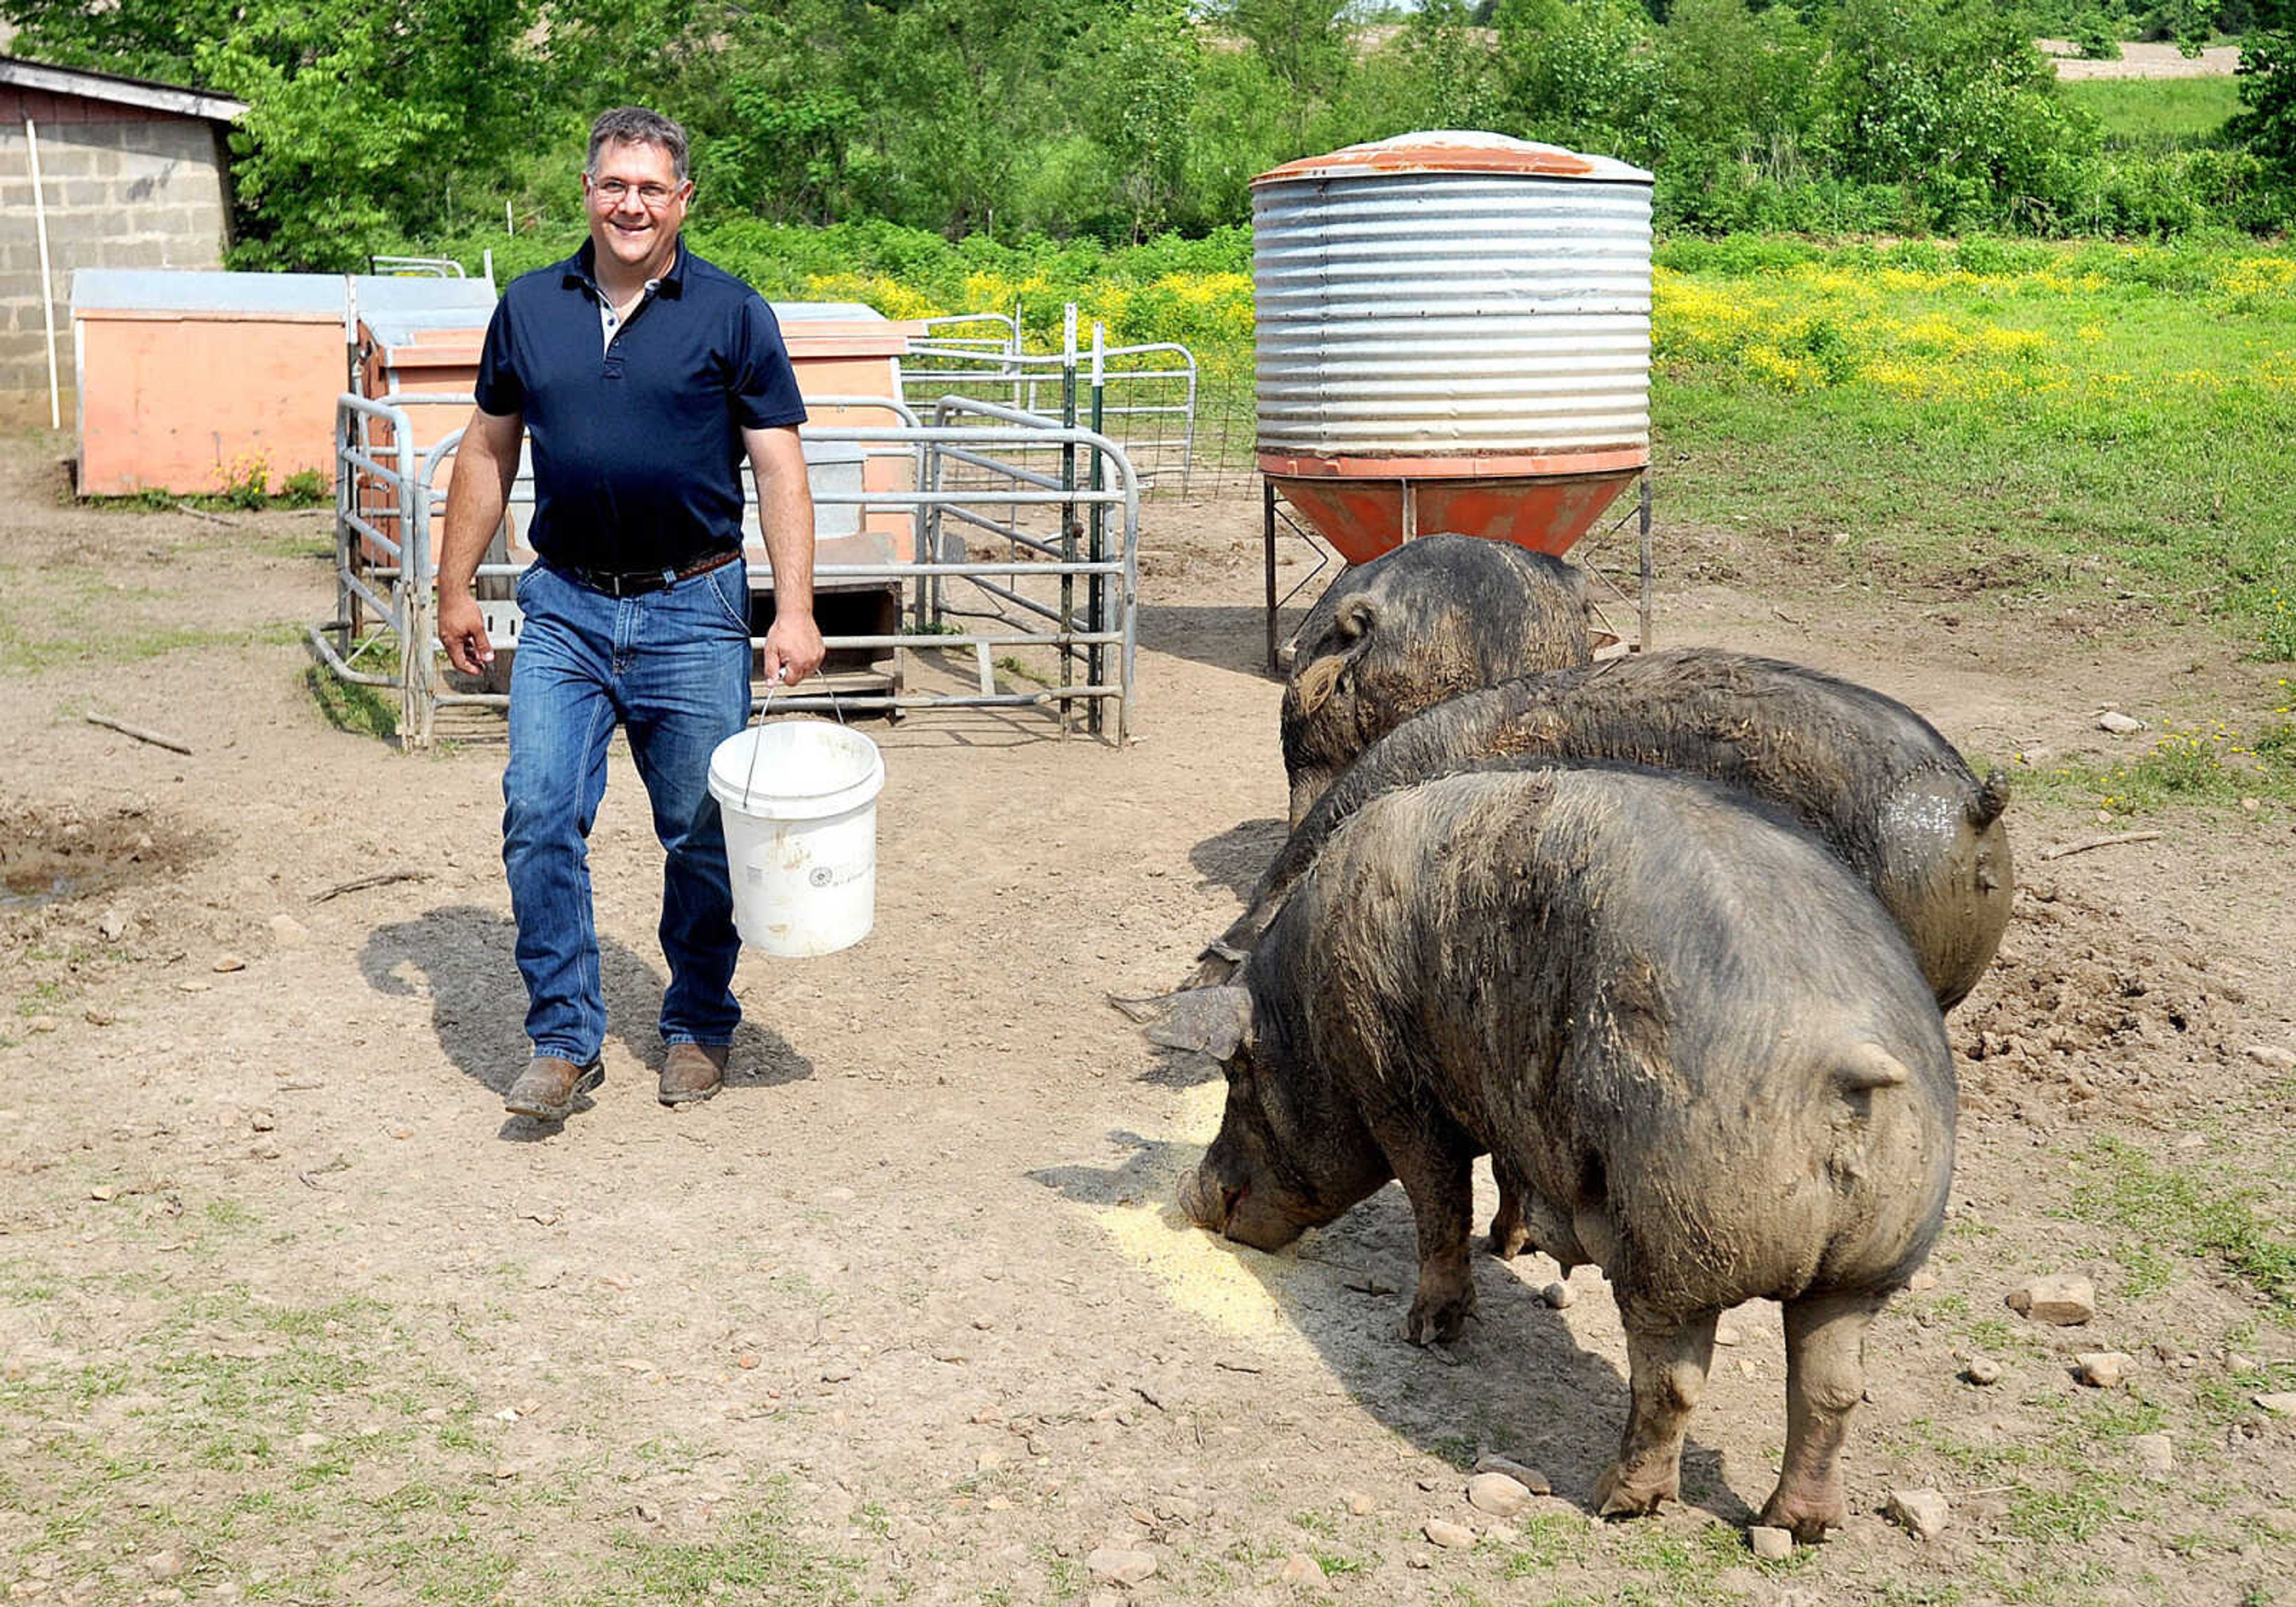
{"x":1454,"y":151}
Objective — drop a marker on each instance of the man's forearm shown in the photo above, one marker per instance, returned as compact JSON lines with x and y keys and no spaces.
{"x":787,"y":521}
{"x":784,"y":515}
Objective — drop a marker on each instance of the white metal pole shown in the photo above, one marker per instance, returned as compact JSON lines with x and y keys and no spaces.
{"x":47,"y":291}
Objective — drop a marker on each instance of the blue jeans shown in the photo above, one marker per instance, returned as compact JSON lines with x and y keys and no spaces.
{"x":673,"y":667}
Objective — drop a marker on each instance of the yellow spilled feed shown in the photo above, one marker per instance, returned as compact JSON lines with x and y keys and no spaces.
{"x":1238,"y":1291}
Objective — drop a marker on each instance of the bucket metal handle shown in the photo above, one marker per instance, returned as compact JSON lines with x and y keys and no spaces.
{"x":765,"y":704}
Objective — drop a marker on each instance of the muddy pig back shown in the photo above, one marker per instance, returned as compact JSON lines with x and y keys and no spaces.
{"x":1868,"y":777}
{"x":1432,"y":619}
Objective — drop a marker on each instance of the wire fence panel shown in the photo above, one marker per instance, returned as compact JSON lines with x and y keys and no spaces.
{"x":1008,"y":550}
{"x":1143,"y":398}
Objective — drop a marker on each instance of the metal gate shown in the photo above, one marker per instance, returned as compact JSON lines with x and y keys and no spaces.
{"x":1056,"y":507}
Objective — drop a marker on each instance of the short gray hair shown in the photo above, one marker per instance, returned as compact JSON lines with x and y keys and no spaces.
{"x":635,"y":125}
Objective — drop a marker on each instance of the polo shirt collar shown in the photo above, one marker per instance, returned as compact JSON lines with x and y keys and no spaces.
{"x":582,"y":270}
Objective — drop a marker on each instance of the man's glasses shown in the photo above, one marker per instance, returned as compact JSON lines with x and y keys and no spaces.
{"x":613,"y":192}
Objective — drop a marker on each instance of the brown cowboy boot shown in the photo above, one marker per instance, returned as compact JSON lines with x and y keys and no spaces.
{"x":547,"y":1089}
{"x":692,"y":1073}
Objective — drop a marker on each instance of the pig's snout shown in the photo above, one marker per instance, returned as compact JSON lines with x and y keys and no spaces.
{"x":1209,"y":1202}
{"x":1233,"y":1207}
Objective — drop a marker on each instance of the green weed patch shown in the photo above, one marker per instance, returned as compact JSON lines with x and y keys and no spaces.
{"x":2211,"y":765}
{"x":2211,"y":1218}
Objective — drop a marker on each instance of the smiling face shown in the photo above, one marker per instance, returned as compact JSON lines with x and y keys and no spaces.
{"x":637,"y":204}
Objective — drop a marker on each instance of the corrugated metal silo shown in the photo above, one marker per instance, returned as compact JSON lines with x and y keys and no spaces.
{"x":1454,"y":334}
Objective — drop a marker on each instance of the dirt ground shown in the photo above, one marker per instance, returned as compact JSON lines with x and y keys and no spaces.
{"x":2140,"y":61}
{"x":289,"y":1311}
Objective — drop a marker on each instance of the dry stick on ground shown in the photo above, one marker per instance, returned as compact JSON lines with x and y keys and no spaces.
{"x":2099,"y":842}
{"x":359,"y":884}
{"x":139,"y":734}
{"x":228,"y":524}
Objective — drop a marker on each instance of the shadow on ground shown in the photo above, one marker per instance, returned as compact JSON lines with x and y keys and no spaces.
{"x":1518,"y":1383}
{"x":1234,"y":858}
{"x":478,"y":1007}
{"x":1223,"y":636}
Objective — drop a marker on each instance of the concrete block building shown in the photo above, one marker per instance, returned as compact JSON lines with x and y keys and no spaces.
{"x":132,"y":175}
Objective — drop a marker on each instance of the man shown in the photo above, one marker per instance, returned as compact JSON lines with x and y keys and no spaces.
{"x":641,"y":376}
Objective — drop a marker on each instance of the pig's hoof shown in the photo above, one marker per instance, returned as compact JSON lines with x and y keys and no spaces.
{"x":1618,"y":1495}
{"x":1439,"y":1321}
{"x":1805,"y":1513}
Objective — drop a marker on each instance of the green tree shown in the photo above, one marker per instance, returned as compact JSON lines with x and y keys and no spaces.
{"x":782,"y":130}
{"x":1450,"y":70}
{"x":1138,"y":73}
{"x":142,"y":38}
{"x":1737,"y":111}
{"x":1308,"y":46}
{"x":362,"y":119}
{"x":1951,"y":100}
{"x":2266,"y":121}
{"x":964,"y":91}
{"x":1579,"y":73}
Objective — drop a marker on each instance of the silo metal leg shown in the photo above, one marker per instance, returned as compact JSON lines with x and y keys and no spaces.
{"x":1267,"y":554}
{"x":1643,"y":636}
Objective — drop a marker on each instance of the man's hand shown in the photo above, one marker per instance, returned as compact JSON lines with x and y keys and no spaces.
{"x":463,"y":632}
{"x":793,"y":649}
{"x":484,"y":466}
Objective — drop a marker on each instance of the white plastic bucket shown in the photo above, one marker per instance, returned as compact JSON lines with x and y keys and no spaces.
{"x":799,"y":802}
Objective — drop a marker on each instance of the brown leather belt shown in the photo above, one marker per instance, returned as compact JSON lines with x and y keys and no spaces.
{"x":637,"y":583}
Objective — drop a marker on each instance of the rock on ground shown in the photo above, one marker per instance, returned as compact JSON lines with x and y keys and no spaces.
{"x":1498,"y":1493}
{"x":1301,"y":1568}
{"x":1125,"y":1567}
{"x":1922,"y":1514}
{"x":2063,"y":1300}
{"x":1529,"y":1478}
{"x":1771,"y":1544}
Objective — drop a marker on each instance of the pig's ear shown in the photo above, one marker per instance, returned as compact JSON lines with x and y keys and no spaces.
{"x":1203,"y":1021}
{"x":1316,"y":682}
{"x":1574,"y":581}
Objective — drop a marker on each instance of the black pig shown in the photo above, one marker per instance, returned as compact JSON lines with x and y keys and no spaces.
{"x":1684,"y":1031}
{"x":1415,"y":626}
{"x":1871,"y":778}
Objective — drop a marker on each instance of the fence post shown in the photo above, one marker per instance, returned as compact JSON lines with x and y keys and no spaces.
{"x":416,"y":606}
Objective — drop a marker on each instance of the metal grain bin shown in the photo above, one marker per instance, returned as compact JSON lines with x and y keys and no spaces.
{"x":1454,"y":334}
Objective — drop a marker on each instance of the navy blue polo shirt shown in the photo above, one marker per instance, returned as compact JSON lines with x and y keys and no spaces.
{"x":637,"y":444}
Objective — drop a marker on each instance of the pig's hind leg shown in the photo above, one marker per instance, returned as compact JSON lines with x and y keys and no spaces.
{"x":1434,"y":1161}
{"x":1825,"y":1379}
{"x":1667,"y":1360}
{"x":1509,"y":1236}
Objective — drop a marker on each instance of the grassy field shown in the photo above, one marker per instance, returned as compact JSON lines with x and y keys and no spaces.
{"x":2157,"y":115}
{"x":2015,"y":414}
